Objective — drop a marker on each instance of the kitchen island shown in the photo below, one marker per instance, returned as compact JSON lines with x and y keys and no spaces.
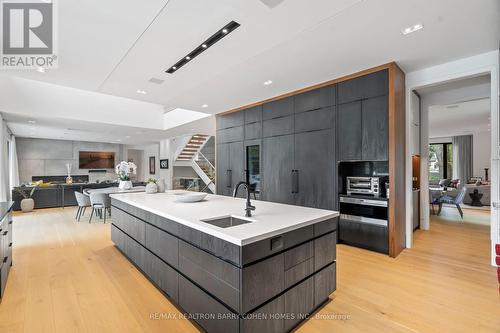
{"x":231,"y":273}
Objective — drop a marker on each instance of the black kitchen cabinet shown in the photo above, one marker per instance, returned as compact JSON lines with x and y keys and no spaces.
{"x":314,"y":164}
{"x":222,"y":168}
{"x":279,"y":108}
{"x":363,"y":133}
{"x":277,"y":161}
{"x":230,"y":167}
{"x":253,"y":115}
{"x":375,"y":129}
{"x":367,"y":86}
{"x":237,"y":165}
{"x":314,"y":99}
{"x":349,"y":129}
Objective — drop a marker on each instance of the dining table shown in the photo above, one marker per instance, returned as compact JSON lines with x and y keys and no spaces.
{"x":114,"y":190}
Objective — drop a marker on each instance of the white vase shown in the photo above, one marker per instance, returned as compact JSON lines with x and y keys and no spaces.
{"x":161,"y":185}
{"x":27,"y":205}
{"x":151,"y":188}
{"x":125,"y":185}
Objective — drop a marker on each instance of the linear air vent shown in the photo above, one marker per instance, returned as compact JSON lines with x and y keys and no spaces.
{"x":223,"y":32}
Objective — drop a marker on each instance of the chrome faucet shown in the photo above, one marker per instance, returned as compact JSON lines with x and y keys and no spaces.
{"x":249,"y":207}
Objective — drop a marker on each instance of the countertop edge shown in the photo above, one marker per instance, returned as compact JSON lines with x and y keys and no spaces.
{"x":221,"y":235}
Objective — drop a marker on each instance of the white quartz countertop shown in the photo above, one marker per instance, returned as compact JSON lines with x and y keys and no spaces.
{"x":269,"y":218}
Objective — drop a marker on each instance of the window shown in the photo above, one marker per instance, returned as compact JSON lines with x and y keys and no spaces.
{"x":440,"y":161}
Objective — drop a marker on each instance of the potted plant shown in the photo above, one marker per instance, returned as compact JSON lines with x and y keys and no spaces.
{"x":27,"y":203}
{"x":124,"y":170}
{"x":151,"y":186}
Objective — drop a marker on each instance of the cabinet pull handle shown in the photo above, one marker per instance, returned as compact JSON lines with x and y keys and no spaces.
{"x":6,"y":232}
{"x":5,"y":259}
{"x":296,"y":181}
{"x":229,"y":179}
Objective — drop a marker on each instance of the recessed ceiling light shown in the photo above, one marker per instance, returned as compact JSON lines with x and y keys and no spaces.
{"x":32,"y":121}
{"x":268,"y":82}
{"x":205,"y":45}
{"x":127,"y":136}
{"x":204,"y":106}
{"x":411,"y":29}
{"x":40,"y":70}
{"x":140,"y":91}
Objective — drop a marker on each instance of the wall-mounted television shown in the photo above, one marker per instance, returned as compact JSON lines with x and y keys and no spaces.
{"x":96,"y":160}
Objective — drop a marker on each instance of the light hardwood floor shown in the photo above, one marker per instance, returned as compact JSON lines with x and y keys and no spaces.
{"x":68,"y":277}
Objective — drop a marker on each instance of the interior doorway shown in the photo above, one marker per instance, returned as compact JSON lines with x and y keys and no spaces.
{"x":456,"y":146}
{"x":137,"y":157}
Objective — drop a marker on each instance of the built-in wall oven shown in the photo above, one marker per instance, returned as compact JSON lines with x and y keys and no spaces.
{"x":364,"y":223}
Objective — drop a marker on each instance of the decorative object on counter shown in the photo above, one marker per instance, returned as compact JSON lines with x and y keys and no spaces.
{"x":152,"y":165}
{"x":151,"y":186}
{"x":161,"y":185}
{"x":69,"y":179}
{"x":190,"y":197}
{"x":486,"y":175}
{"x":27,"y":204}
{"x":124,"y":170}
{"x":164,"y":164}
{"x":476,"y":198}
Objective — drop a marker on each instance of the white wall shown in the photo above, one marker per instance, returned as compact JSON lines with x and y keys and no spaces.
{"x":45,"y":157}
{"x":481,"y":145}
{"x":148,"y":151}
{"x":486,"y":63}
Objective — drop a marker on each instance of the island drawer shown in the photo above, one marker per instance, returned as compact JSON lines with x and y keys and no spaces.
{"x":208,"y":312}
{"x":266,"y":247}
{"x":162,"y":244}
{"x":131,"y":225}
{"x":4,"y":273}
{"x":164,"y":276}
{"x":262,"y":281}
{"x":325,"y":250}
{"x":133,"y":250}
{"x":218,"y":277}
{"x":325,"y":283}
{"x":326,"y":226}
{"x":160,"y":222}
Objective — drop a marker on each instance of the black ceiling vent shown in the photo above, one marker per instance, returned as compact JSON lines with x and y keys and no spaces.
{"x":221,"y":33}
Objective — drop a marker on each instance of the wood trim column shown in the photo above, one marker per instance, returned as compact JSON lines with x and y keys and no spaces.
{"x":397,"y":161}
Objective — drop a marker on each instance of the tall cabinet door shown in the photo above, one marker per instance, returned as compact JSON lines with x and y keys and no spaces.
{"x":277,"y":158}
{"x":314,"y":162}
{"x":222,"y":169}
{"x":237,"y":166}
{"x":375,"y":129}
{"x":349,"y":131}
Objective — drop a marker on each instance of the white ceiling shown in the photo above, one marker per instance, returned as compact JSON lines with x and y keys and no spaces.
{"x":114,"y":47}
{"x":459,"y":118}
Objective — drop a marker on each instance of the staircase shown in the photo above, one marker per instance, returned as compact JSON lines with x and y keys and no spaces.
{"x":191,"y":156}
{"x":193,"y":146}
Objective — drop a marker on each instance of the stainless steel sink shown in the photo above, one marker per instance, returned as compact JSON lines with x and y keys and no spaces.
{"x":226,"y":221}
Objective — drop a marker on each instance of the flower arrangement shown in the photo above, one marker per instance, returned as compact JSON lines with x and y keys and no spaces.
{"x":125,"y":169}
{"x":152,"y":181}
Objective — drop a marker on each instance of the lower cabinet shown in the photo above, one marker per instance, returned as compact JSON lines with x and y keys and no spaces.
{"x":273,"y":293}
{"x":299,"y":303}
{"x":205,"y":310}
{"x":325,"y":283}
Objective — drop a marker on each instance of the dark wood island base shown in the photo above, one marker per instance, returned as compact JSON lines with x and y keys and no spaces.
{"x":271,"y":285}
